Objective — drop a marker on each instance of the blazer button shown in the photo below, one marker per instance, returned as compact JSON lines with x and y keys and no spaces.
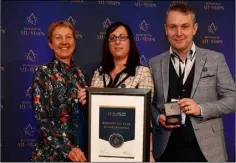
{"x":122,"y":85}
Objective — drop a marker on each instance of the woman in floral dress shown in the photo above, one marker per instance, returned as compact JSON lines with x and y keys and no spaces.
{"x":55,"y":102}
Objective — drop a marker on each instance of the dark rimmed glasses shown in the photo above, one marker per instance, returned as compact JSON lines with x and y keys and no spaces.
{"x":120,"y":38}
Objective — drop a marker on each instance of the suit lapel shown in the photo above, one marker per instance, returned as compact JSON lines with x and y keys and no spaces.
{"x":165,"y":74}
{"x":199,"y":63}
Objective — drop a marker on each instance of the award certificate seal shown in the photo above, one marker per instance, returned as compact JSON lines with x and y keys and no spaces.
{"x":116,"y":140}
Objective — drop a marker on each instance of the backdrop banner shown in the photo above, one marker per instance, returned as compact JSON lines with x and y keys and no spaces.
{"x":24,"y":47}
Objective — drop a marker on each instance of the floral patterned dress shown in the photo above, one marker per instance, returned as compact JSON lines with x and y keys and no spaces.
{"x":57,"y":110}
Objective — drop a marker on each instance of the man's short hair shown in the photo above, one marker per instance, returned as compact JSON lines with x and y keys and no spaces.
{"x":183,"y":8}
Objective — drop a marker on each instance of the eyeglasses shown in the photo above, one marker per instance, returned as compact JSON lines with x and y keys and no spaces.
{"x":120,"y":38}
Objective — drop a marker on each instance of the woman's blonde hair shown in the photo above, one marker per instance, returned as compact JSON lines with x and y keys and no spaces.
{"x":56,"y":24}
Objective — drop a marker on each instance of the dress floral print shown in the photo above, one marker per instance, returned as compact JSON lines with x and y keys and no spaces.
{"x":56,"y":110}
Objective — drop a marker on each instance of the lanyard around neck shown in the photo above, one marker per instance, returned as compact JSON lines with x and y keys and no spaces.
{"x":114,"y":85}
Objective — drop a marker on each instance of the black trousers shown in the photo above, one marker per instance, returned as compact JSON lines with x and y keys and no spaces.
{"x":190,"y":154}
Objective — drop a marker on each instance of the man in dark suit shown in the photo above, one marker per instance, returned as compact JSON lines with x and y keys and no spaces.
{"x":199,"y":79}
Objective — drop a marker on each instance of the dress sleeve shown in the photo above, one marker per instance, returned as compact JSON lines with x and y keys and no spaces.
{"x":146,"y":80}
{"x":95,"y":78}
{"x":52,"y":128}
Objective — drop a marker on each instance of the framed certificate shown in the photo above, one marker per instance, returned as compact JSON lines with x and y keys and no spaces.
{"x":118,"y":124}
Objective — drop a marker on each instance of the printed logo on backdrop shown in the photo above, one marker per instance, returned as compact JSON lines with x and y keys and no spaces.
{"x":144,"y":26}
{"x":30,"y":62}
{"x":31,"y":27}
{"x":26,"y":102}
{"x":30,"y":131}
{"x":29,"y":134}
{"x":143,"y":3}
{"x":28,"y":92}
{"x":177,"y":2}
{"x":71,"y":20}
{"x":215,"y":6}
{"x":78,"y":1}
{"x":105,"y":24}
{"x":144,"y":34}
{"x":32,"y":19}
{"x":212,"y":29}
{"x":113,"y":3}
{"x":212,"y":36}
{"x":143,"y":60}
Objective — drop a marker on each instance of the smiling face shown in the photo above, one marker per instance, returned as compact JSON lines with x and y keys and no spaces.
{"x":180,"y":29}
{"x":62,"y":43}
{"x":119,"y":44}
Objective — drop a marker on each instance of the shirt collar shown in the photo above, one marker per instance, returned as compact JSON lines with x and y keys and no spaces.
{"x":61,"y":64}
{"x":190,"y":54}
{"x":131,"y":70}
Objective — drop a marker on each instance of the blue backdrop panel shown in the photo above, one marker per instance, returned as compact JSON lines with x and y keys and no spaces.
{"x":24,"y":46}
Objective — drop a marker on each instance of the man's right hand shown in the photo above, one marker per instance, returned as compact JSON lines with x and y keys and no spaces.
{"x":162,"y":122}
{"x":76,"y":155}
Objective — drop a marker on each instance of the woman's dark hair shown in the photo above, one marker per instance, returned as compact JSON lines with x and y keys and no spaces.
{"x":107,"y":58}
